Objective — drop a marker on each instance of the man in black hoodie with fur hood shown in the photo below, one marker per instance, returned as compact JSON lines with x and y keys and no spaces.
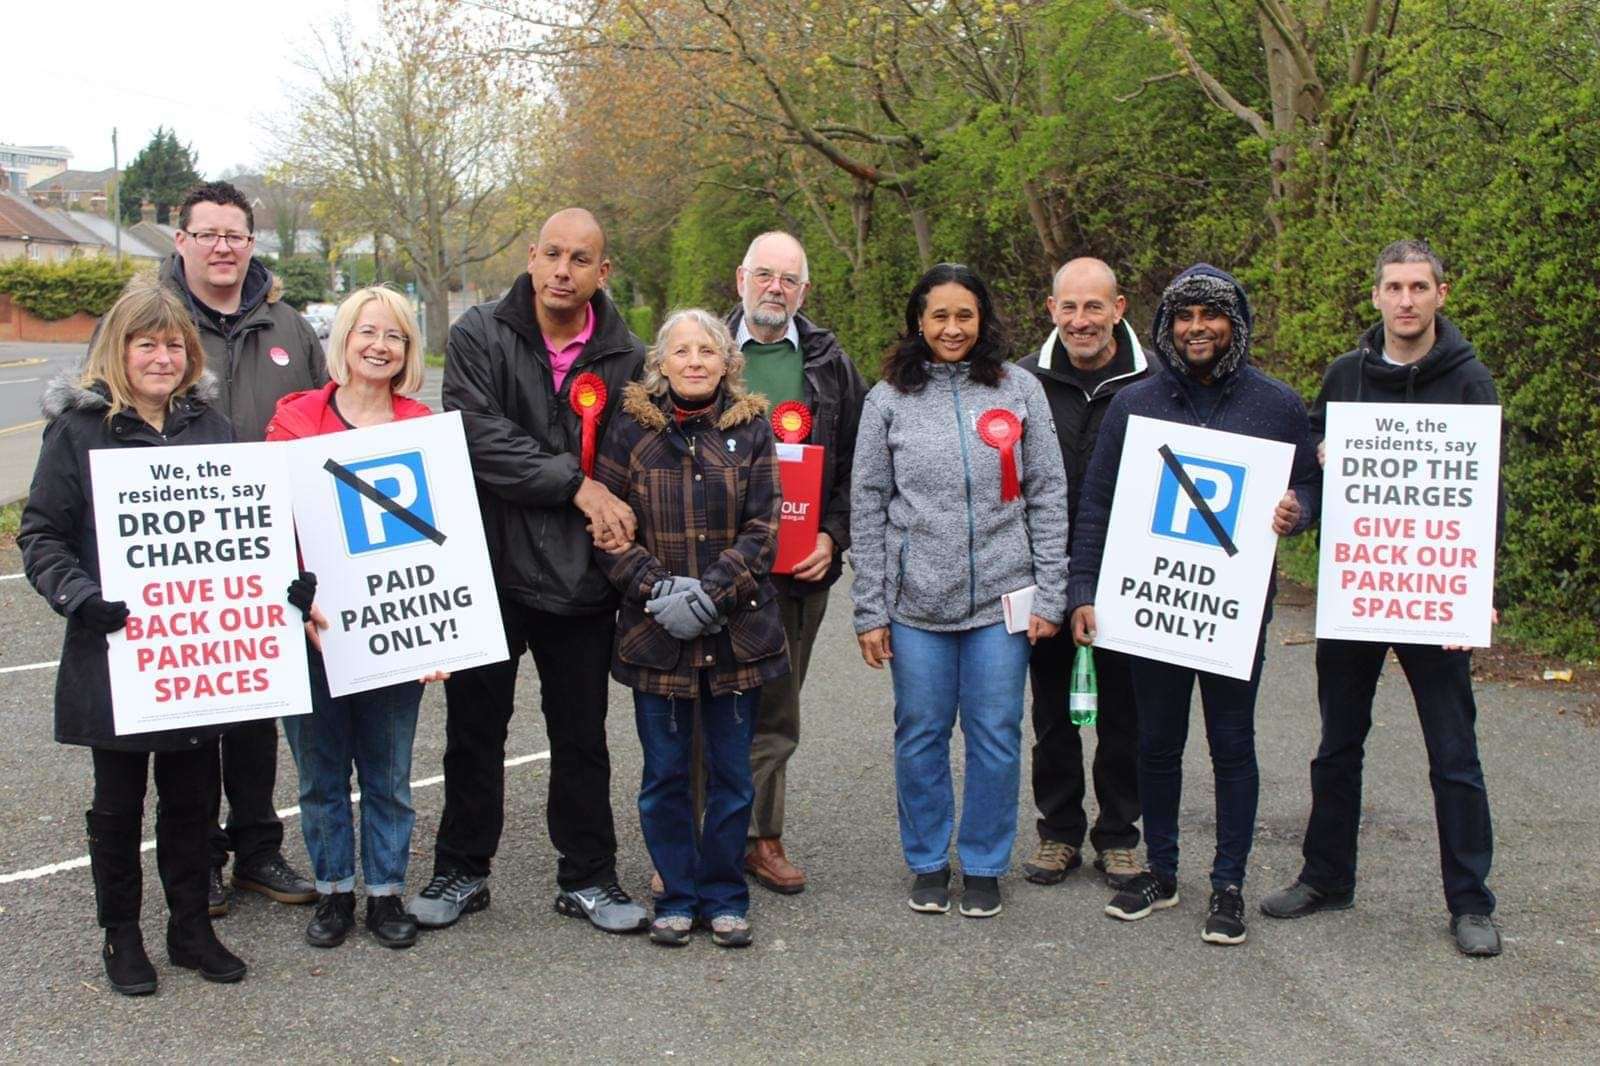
{"x":1415,"y":355}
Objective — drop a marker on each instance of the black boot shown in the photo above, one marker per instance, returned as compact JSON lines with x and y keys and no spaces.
{"x":182,"y":858}
{"x":118,"y":892}
{"x":333,"y":919}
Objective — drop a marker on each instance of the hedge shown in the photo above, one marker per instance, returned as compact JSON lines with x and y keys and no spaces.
{"x":57,"y":290}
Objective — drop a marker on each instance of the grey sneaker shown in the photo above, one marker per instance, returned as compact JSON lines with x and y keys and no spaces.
{"x":606,"y":907}
{"x":731,"y":931}
{"x":448,"y":896}
{"x":1476,"y":934}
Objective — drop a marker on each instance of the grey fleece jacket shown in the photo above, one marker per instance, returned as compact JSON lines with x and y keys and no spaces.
{"x":932,"y":545}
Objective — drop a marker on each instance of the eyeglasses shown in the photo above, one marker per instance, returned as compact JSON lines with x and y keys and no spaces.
{"x":209,"y":238}
{"x":763,"y":278}
{"x":392,"y":339}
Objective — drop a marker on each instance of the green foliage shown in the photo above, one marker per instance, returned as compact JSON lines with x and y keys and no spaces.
{"x":163,"y":173}
{"x":642,"y":320}
{"x":10,"y":522}
{"x":57,"y":290}
{"x":305,"y":279}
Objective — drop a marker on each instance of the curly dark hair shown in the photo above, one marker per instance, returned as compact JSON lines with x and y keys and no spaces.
{"x":906,"y":368}
{"x":216,"y":192}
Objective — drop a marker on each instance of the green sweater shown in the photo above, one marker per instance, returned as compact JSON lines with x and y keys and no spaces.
{"x":777,"y":371}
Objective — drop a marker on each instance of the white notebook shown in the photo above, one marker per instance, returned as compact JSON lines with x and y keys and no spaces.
{"x":1018,"y":606}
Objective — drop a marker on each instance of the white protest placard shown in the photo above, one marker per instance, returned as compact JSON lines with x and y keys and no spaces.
{"x":1190,"y":545}
{"x":199,"y":540}
{"x":389,"y":523}
{"x":1409,"y":507}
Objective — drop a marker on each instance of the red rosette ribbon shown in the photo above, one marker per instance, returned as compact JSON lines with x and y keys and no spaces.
{"x":1000,"y":429}
{"x":588,"y":399}
{"x":791,"y":421}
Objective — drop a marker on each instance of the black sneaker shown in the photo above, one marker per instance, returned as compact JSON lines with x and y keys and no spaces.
{"x":389,"y":922}
{"x":274,"y":878}
{"x":332,"y":921}
{"x":217,"y":894}
{"x":980,"y":897}
{"x":1225,"y":924}
{"x":1141,"y":895}
{"x":930,"y":892}
{"x":1300,"y":899}
{"x":1475,"y":935}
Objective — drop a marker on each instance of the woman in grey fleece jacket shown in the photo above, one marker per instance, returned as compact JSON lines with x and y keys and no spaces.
{"x":958,"y":497}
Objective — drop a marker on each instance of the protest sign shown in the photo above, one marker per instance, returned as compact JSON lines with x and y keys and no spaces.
{"x":388,"y":520}
{"x":1190,"y":545}
{"x":1409,"y":507}
{"x":198,"y":541}
{"x":800,"y":477}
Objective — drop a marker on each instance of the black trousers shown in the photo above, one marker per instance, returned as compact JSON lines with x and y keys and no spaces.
{"x":247,"y":771}
{"x":1441,"y":684}
{"x":573,"y":656}
{"x":1058,"y":779}
{"x":122,"y":777}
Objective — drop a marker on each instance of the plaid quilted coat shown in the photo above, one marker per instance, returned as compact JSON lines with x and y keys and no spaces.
{"x":707,"y":497}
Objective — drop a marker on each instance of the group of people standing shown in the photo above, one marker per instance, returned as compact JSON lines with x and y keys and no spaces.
{"x":639,"y":543}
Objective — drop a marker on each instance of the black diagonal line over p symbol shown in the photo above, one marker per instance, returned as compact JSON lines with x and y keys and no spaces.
{"x":383,"y":501}
{"x":1199,"y":504}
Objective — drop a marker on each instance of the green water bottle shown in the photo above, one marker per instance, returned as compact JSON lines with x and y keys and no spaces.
{"x":1083,"y":699}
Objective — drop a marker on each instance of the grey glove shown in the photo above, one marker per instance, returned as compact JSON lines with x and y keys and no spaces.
{"x":687,"y":614}
{"x":676,"y":583}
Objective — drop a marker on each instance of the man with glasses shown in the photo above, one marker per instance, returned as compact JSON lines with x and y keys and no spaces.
{"x":259,"y":349}
{"x":788,"y":357}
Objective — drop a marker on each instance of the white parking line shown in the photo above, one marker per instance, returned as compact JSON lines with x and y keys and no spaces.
{"x":11,"y":577}
{"x":30,"y":666}
{"x":288,"y":812}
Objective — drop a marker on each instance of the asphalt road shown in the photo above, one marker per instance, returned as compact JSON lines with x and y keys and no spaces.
{"x":845,"y":972}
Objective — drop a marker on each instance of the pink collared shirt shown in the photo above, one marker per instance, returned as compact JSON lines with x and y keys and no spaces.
{"x":561,"y":361}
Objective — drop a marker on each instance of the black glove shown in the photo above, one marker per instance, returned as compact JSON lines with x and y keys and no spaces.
{"x":302,"y":591}
{"x":102,"y":615}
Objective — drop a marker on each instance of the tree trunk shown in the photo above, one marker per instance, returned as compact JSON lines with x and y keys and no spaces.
{"x":923,"y":230}
{"x":1049,"y":240}
{"x":436,"y":296}
{"x":1297,"y":106}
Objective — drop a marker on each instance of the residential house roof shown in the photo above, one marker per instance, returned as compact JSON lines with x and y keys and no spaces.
{"x":20,"y":219}
{"x":102,"y":231}
{"x":74,"y":181}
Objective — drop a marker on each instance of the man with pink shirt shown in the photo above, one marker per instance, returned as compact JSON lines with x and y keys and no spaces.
{"x":510,"y":370}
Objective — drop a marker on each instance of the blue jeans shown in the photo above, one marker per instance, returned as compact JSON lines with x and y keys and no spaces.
{"x":373,"y":732}
{"x":1162,"y":692}
{"x":703,"y":873}
{"x":980,"y":674}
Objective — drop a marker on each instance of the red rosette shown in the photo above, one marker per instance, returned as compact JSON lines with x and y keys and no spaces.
{"x":791,"y":421}
{"x":1000,"y":429}
{"x":588,"y":399}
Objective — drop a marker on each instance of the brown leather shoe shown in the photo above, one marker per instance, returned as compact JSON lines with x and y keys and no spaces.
{"x":766,"y":862}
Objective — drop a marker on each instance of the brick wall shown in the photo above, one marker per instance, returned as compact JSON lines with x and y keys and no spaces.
{"x":19,"y":325}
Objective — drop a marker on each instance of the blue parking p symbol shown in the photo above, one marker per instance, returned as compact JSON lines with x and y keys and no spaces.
{"x":1219,"y":486}
{"x":368,"y":526}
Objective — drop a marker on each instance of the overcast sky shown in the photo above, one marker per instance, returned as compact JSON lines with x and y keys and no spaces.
{"x":212,"y":71}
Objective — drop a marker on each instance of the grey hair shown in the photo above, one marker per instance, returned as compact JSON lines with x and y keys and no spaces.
{"x":805,"y":264}
{"x":655,"y":382}
{"x":1110,"y":275}
{"x":1409,"y":251}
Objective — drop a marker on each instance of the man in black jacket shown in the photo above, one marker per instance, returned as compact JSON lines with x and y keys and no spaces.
{"x":260,"y":350}
{"x":1415,"y":355}
{"x":510,"y":370}
{"x":788,"y":357}
{"x":1086,"y":360}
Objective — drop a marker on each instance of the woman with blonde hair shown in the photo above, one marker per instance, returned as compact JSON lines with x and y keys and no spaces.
{"x":374,"y":359}
{"x":145,"y":386}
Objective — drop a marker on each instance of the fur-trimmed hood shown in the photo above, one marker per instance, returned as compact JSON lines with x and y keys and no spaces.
{"x":650,"y":412}
{"x":68,"y":392}
{"x":1205,"y":284}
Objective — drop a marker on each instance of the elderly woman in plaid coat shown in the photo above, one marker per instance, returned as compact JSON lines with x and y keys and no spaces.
{"x":693,"y":455}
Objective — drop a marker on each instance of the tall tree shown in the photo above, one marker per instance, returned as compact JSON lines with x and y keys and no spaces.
{"x":162,"y":173}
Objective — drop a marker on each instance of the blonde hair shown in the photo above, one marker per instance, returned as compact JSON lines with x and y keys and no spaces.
{"x":655,"y":382}
{"x":146,"y":308}
{"x":409,"y":379}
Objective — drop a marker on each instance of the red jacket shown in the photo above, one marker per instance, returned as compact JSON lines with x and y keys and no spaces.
{"x":311,"y":414}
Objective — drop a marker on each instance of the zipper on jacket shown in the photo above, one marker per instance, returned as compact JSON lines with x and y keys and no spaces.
{"x":972,"y":522}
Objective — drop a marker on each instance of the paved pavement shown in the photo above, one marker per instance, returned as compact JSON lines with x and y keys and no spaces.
{"x":845,"y":972}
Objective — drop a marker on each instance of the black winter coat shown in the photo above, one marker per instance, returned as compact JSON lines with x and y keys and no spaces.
{"x":834,"y":391}
{"x":60,"y":552}
{"x":525,"y":441}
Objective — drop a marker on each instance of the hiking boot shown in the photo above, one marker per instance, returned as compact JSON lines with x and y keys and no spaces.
{"x":1225,"y":923}
{"x":605,"y":907}
{"x":1051,"y":861}
{"x":980,"y":896}
{"x":127,"y":966}
{"x":930,"y":892}
{"x":448,"y":896}
{"x":731,"y":931}
{"x":1145,"y":893}
{"x":389,"y":922}
{"x":671,"y":929}
{"x":217,"y":897}
{"x":1300,"y":899}
{"x":274,"y":878}
{"x":332,"y":921}
{"x":1476,"y":935}
{"x":1119,"y":865}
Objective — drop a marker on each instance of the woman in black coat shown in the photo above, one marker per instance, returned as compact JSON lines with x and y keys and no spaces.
{"x":144,"y":387}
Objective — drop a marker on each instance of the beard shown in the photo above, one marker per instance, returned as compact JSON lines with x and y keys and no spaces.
{"x":767,"y":316}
